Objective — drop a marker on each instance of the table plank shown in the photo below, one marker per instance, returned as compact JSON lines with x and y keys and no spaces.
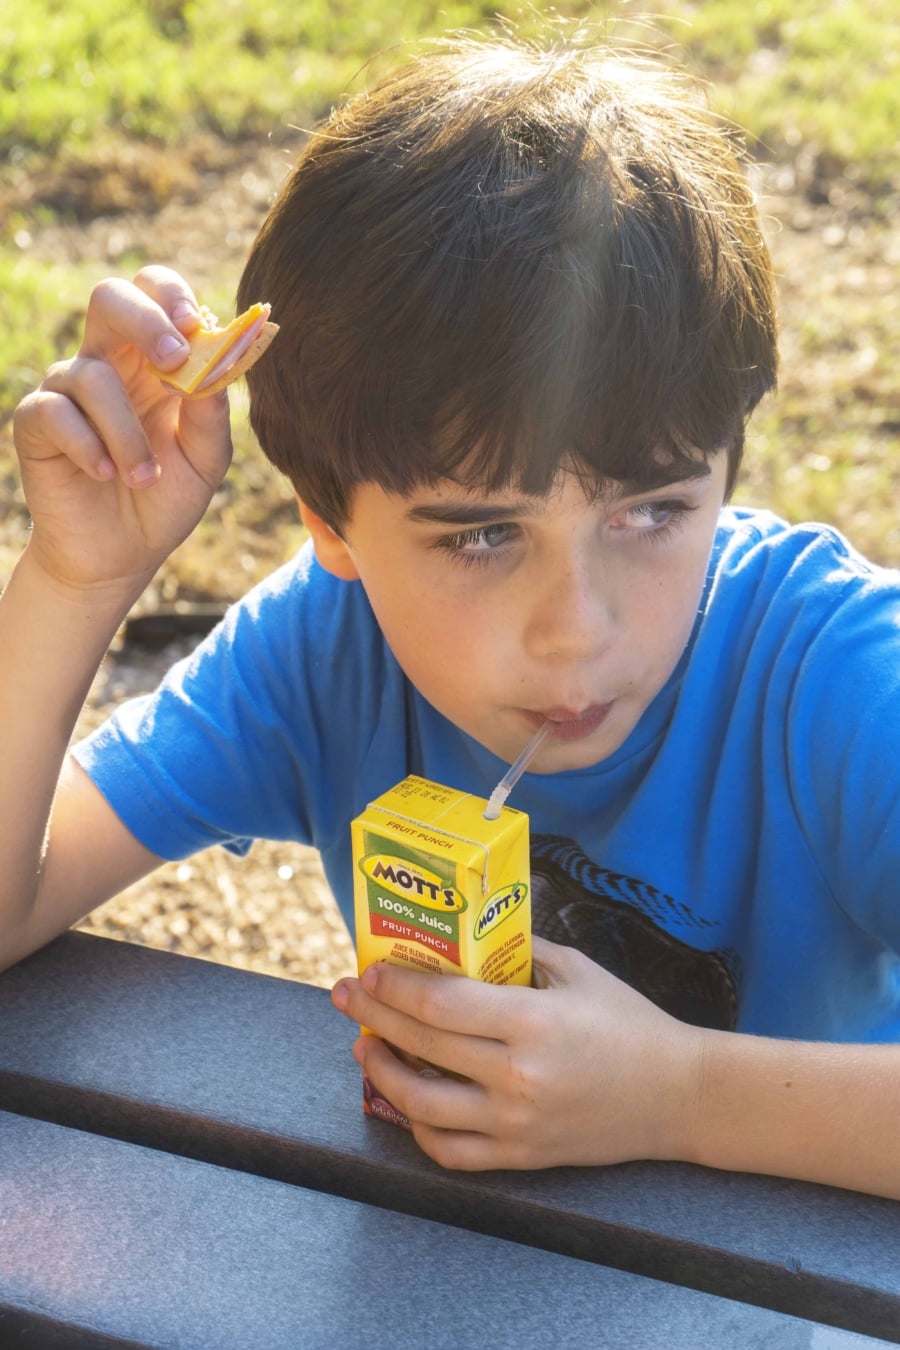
{"x":255,"y":1073}
{"x":106,"y":1239}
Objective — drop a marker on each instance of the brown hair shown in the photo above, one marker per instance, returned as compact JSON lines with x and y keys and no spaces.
{"x":504,"y":260}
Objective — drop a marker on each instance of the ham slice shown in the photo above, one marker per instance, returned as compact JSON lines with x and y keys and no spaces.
{"x":220,"y":355}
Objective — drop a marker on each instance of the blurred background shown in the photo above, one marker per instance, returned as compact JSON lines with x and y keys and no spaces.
{"x":158,"y":130}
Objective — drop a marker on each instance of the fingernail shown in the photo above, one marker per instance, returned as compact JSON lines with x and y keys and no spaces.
{"x":143,"y":475}
{"x":185,"y":310}
{"x":369,"y":979}
{"x":168,"y":346}
{"x":340,"y":997}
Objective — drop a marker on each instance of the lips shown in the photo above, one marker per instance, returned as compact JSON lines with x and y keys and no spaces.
{"x":572,"y":725}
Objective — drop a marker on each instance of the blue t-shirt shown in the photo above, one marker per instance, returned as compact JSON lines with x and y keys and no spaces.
{"x":737,"y":859}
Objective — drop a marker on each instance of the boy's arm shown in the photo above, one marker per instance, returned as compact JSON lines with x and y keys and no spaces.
{"x":808,"y":1110}
{"x":116,"y":473}
{"x":584,"y":1070}
{"x":51,"y":878}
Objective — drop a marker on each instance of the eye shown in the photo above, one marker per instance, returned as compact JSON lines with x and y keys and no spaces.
{"x":654,"y":515}
{"x":654,"y":520}
{"x":477,"y":546}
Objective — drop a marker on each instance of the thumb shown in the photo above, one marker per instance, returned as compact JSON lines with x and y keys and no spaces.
{"x":204,"y":433}
{"x":555,"y":966}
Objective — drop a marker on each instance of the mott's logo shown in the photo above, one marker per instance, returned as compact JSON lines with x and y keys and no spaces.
{"x":410,"y":881}
{"x":499,"y":907}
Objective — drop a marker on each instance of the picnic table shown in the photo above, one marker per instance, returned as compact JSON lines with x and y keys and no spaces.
{"x":184,"y":1162}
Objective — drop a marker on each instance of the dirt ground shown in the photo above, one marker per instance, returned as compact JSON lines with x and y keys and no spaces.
{"x":273,"y":911}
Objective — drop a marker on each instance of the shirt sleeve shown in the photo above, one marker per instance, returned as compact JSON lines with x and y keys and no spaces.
{"x":255,"y":735}
{"x":843,"y":751}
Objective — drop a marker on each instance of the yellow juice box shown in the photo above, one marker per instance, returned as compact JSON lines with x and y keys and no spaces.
{"x":439,"y":888}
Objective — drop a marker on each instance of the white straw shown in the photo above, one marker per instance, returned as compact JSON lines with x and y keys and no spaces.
{"x":515,"y":771}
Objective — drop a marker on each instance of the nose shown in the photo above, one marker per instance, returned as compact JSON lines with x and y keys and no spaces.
{"x":571,"y":612}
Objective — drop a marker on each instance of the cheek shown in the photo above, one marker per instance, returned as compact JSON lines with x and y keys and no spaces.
{"x":454,"y":650}
{"x":667,"y":607}
{"x":429,"y":633}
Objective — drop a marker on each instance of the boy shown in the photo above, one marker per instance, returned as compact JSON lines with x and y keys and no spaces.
{"x":525,"y":312}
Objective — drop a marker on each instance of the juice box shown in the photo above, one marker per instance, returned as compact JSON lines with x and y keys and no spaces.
{"x":439,"y":888}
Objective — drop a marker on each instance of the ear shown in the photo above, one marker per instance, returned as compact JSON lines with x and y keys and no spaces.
{"x":331,"y":550}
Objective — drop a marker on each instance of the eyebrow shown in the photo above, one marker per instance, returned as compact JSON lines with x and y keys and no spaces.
{"x":465,"y":512}
{"x":472,"y":513}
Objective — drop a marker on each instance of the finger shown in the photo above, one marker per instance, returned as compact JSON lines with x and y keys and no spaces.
{"x":44,"y":422}
{"x":470,"y":1151}
{"x":204,"y":432}
{"x":472,"y":1056}
{"x":165,"y":285}
{"x":172,"y":293}
{"x":447,"y":1002}
{"x":100,"y":400}
{"x":122,"y":314}
{"x":424,"y":1096}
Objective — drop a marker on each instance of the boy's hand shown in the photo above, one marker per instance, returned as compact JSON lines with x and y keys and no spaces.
{"x":580,"y":1070}
{"x":117,"y":470}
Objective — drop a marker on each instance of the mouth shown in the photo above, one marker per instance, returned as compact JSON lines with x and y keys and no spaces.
{"x":571,"y":725}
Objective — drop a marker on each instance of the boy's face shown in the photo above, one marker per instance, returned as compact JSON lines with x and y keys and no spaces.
{"x":505,"y":609}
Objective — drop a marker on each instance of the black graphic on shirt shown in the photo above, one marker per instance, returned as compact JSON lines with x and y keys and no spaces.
{"x":615,"y":920}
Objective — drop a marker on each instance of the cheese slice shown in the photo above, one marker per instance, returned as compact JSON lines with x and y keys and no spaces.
{"x":220,"y":355}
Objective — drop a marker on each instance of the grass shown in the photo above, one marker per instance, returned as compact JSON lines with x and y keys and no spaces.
{"x":116,"y":104}
{"x":165,"y":69}
{"x":824,"y":73}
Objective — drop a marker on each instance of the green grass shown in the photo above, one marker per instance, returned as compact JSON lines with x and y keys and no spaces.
{"x":825,"y":72}
{"x":165,"y":69}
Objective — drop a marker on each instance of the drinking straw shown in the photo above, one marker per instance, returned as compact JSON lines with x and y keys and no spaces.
{"x":515,"y":771}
